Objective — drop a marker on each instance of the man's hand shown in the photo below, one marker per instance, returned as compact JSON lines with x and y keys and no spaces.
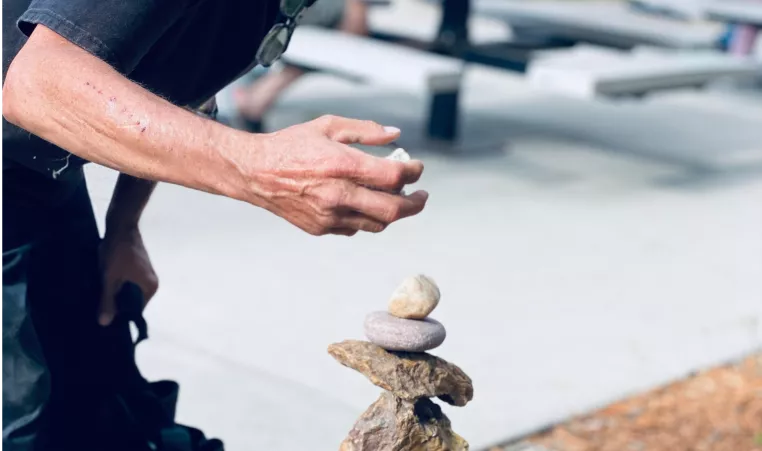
{"x":123,"y":258}
{"x":310,"y":176}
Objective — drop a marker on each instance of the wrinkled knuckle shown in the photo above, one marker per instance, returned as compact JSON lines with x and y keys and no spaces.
{"x":332,"y":200}
{"x":327,"y":222}
{"x":377,"y":228}
{"x":392,"y":213}
{"x":327,"y":120}
{"x":396,"y":177}
{"x":351,"y":161}
{"x":342,"y":166}
{"x":318,"y":230}
{"x":326,"y":203}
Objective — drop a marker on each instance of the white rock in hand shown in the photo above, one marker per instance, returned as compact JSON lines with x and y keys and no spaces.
{"x":399,"y":154}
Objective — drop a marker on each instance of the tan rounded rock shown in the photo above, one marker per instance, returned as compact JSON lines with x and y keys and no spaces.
{"x":415,"y":298}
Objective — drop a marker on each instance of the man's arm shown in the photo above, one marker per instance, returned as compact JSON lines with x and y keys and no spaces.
{"x":63,"y":94}
{"x":130,"y":198}
{"x":123,"y":256}
{"x":306,"y":174}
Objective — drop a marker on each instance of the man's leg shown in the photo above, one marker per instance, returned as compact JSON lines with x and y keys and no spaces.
{"x":452,"y":36}
{"x":355,"y":18}
{"x":50,"y":291}
{"x":64,"y":289}
{"x":26,"y":379}
{"x":254,"y":101}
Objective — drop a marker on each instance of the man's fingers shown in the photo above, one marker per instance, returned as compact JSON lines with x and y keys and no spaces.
{"x":385,"y":208}
{"x":149,"y":286}
{"x":385,"y":174}
{"x":107,"y":308}
{"x":367,"y":169}
{"x":355,"y":131}
{"x":344,"y":232}
{"x":358,"y":221}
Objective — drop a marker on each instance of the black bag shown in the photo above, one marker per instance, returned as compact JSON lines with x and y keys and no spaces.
{"x":70,"y":384}
{"x":99,"y":401}
{"x":137,"y":415}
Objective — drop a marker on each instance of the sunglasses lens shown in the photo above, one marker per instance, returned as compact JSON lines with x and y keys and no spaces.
{"x":291,"y":8}
{"x":273,"y":45}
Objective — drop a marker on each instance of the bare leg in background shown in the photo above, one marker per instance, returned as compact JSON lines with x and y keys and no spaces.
{"x":453,"y":29}
{"x":255,"y":100}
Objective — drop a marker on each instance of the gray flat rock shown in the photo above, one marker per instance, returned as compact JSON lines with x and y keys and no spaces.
{"x":400,"y":334}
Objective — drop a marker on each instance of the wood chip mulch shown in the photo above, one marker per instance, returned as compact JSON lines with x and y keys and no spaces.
{"x":715,"y":410}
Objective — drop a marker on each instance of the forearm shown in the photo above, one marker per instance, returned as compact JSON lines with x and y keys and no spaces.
{"x":130,"y":198}
{"x":68,"y":97}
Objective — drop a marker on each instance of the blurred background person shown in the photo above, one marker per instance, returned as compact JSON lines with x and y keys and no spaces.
{"x":253,"y":101}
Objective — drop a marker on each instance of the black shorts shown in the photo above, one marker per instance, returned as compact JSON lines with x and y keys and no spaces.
{"x":50,"y":293}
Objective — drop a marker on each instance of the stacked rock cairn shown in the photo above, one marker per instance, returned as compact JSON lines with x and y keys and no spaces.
{"x":404,"y":418}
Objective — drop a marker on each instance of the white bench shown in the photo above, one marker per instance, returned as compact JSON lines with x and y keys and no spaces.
{"x":687,"y":10}
{"x":370,"y":61}
{"x":427,"y":13}
{"x":605,"y":23}
{"x":588,"y":71}
{"x":747,"y":12}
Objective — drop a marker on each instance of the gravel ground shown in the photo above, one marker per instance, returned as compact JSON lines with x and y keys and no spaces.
{"x":716,"y":410}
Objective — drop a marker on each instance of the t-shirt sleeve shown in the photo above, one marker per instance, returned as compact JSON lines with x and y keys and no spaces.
{"x":120,"y":32}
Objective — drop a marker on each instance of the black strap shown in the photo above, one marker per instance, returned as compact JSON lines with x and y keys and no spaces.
{"x":151,"y":410}
{"x":129,"y":304}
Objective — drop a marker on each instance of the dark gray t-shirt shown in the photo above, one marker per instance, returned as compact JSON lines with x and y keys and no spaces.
{"x":183,"y":50}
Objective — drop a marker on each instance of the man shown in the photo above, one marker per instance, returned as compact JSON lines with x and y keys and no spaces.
{"x":253,"y":101}
{"x":114,"y":82}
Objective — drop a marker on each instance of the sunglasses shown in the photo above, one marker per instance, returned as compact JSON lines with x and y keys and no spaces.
{"x":276,"y":40}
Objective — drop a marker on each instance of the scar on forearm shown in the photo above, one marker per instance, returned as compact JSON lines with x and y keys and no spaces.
{"x":93,"y":86}
{"x":125,"y":118}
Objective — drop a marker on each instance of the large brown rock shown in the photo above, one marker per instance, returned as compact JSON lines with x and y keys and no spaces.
{"x":408,"y":375}
{"x":394,"y":424}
